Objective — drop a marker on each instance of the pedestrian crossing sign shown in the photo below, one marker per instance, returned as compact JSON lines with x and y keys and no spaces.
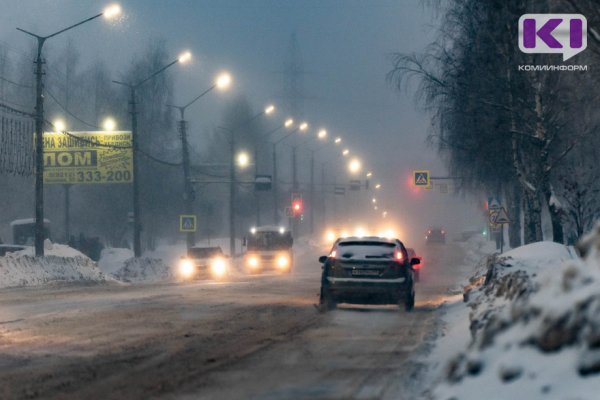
{"x":187,"y":223}
{"x":422,"y":179}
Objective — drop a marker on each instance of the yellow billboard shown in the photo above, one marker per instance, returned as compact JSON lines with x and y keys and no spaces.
{"x":88,"y":157}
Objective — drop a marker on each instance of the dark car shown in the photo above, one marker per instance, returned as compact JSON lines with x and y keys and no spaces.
{"x":367,"y":270}
{"x":202,"y":262}
{"x":417,"y":267}
{"x":435,"y":235}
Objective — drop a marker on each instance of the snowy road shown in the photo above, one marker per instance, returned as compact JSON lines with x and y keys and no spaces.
{"x":255,"y":337}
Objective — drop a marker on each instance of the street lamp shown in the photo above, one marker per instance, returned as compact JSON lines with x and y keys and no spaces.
{"x":374,"y":200}
{"x":243,"y":159}
{"x":109,"y":124}
{"x":354,"y":166}
{"x":270,"y":109}
{"x":345,"y":152}
{"x":188,"y":190}
{"x":108,"y":13}
{"x":378,"y":186}
{"x":137,"y":227}
{"x":223,"y":81}
{"x":369,"y":174}
{"x":337,"y":140}
{"x":322,"y":134}
{"x":59,"y":125}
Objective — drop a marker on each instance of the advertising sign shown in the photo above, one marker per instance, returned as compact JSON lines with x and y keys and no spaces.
{"x":88,"y":157}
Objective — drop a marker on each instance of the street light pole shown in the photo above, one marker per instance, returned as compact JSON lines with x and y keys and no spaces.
{"x":275,"y":187}
{"x":312,"y":192}
{"x":188,"y":195}
{"x":39,"y":129}
{"x":188,"y":190}
{"x":137,"y":218}
{"x":232,"y":195}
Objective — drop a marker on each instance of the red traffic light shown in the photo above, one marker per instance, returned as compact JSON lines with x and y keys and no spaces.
{"x":297,"y":206}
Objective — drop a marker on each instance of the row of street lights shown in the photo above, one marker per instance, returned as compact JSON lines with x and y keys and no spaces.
{"x":222,"y":82}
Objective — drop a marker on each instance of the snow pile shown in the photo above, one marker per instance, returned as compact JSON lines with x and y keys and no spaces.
{"x":60,"y":264}
{"x":113,"y":259}
{"x":535,"y":327}
{"x":144,"y":269}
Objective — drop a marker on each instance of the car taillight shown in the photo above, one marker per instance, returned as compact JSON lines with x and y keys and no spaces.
{"x":399,"y":256}
{"x":332,"y":254}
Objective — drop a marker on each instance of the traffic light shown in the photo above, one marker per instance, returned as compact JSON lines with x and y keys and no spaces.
{"x":297,"y":205}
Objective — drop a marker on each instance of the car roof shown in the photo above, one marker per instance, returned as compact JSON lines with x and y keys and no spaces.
{"x":367,"y":239}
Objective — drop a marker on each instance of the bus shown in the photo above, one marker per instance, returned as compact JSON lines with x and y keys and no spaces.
{"x":269,"y":248}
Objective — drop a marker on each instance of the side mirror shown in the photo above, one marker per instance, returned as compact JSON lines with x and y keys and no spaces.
{"x":415,"y":261}
{"x":322,"y":259}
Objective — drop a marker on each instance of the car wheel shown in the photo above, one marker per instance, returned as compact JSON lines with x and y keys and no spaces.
{"x":326,"y":303}
{"x":409,"y":302}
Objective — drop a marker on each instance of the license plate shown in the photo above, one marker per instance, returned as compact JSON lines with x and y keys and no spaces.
{"x":365,"y":272}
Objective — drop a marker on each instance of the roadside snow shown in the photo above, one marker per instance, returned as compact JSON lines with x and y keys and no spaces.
{"x":144,"y":269}
{"x":60,"y":264}
{"x":534,"y":321}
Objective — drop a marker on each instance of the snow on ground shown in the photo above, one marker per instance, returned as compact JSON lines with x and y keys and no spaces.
{"x":144,"y":269}
{"x":530,"y":327}
{"x":60,"y":264}
{"x":156,"y":265}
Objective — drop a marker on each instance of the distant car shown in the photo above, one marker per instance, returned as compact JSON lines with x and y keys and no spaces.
{"x":435,"y":235}
{"x":204,"y":262}
{"x":417,"y":268}
{"x":367,"y":270}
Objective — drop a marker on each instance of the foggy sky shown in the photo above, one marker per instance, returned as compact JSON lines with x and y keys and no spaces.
{"x":345,"y":46}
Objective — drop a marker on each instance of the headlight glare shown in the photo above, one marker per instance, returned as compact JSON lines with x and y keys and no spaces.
{"x":186,"y":268}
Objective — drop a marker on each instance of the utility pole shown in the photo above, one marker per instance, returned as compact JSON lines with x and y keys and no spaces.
{"x":232,"y":195}
{"x":188,"y":194}
{"x":256,"y":194}
{"x":293,"y":218}
{"x":275,"y":187}
{"x":39,"y":151}
{"x":137,"y":218}
{"x":323,"y":196}
{"x":39,"y":126}
{"x":188,"y":191}
{"x":311,"y":204}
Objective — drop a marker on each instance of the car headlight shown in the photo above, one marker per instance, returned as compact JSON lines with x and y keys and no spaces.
{"x":186,"y":268}
{"x":283,"y":262}
{"x":218,"y":267}
{"x":252,"y":261}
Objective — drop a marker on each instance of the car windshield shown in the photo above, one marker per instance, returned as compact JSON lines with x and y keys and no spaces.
{"x":365,"y":249}
{"x":205,"y":252}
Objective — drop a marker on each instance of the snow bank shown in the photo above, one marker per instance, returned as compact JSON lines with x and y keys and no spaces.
{"x":60,"y":264}
{"x":144,"y":269}
{"x":534,"y":323}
